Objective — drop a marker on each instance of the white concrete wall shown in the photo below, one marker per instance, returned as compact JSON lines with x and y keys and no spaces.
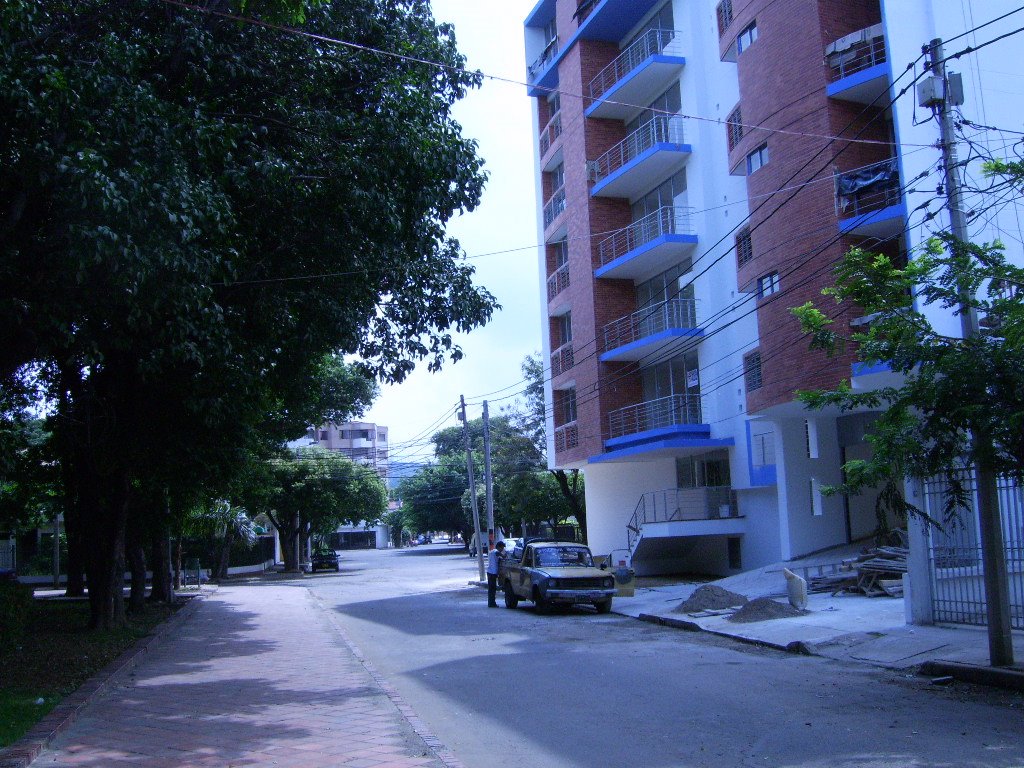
{"x":761,"y":543}
{"x":612,"y":493}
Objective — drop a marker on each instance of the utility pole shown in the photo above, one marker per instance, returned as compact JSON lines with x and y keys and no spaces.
{"x":940,"y":97}
{"x":488,"y":481}
{"x":472,"y":488}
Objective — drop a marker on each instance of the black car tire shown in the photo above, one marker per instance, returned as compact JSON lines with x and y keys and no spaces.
{"x":542,"y":604}
{"x":604,"y":606}
{"x":511,"y":598}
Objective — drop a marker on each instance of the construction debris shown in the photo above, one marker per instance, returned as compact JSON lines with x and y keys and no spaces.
{"x":874,"y":572}
{"x":711,"y":598}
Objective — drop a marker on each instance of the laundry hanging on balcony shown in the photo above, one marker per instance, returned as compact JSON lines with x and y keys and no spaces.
{"x":869,"y":179}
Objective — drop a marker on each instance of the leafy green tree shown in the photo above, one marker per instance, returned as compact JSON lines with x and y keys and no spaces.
{"x":960,"y":401}
{"x":199,"y":212}
{"x":314,"y":491}
{"x":432,"y":498}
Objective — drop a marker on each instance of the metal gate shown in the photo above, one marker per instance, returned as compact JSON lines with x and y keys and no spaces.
{"x":957,"y":575}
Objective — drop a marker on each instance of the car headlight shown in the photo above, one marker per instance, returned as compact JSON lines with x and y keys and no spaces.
{"x":609,"y":582}
{"x":553,"y":584}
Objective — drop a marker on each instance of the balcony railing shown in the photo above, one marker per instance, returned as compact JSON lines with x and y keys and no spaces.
{"x":660,"y":130}
{"x":652,"y":42}
{"x":671,"y":411}
{"x":551,"y":132}
{"x":681,"y":504}
{"x":562,"y":359}
{"x":858,"y":51}
{"x":670,"y":220}
{"x":675,"y":313}
{"x":566,"y":436}
{"x":550,"y":51}
{"x":558,"y":281}
{"x":554,"y":206}
{"x":866,"y":189}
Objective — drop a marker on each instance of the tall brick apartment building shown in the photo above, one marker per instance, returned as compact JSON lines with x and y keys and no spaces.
{"x":702,"y":165}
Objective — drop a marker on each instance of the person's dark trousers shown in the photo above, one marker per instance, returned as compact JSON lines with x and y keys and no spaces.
{"x":492,"y":589}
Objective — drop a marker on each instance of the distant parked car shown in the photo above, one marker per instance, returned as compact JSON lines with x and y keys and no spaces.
{"x":424,"y":538}
{"x":326,"y":560}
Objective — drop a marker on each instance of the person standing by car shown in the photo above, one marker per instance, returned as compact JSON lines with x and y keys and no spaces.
{"x":493,"y":559}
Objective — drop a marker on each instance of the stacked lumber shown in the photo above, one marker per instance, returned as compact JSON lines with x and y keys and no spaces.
{"x":874,"y":572}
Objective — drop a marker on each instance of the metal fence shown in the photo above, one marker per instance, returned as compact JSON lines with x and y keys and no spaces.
{"x":679,"y":505}
{"x":659,"y":130}
{"x":669,"y":411}
{"x":957,"y":573}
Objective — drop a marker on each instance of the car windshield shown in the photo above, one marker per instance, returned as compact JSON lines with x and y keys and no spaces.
{"x":564,"y":556}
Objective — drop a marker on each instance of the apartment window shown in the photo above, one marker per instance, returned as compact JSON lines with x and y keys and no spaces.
{"x":569,"y":406}
{"x":744,"y":247}
{"x":757,"y":159}
{"x":817,"y":508}
{"x":554,"y":104}
{"x":561,"y":253}
{"x":564,"y":329}
{"x":752,"y":371}
{"x":557,"y":177}
{"x":724,"y":13}
{"x":664,"y":195}
{"x":746,"y":38}
{"x":550,"y":33}
{"x":768,"y":284}
{"x":323,"y":435}
{"x":668,"y":103}
{"x":734,"y":128}
{"x":811,"y":435}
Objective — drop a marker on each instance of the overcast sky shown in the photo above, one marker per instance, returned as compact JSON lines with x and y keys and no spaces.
{"x":497,"y":115}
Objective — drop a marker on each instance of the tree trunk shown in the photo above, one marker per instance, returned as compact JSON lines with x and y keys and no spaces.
{"x":225,"y":554}
{"x":177,"y":563}
{"x":76,"y":551}
{"x":136,"y":557}
{"x":572,"y":495}
{"x":104,"y":518}
{"x":160,"y":560}
{"x":288,"y":535}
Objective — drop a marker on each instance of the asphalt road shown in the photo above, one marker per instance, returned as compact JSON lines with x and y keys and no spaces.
{"x":506,"y":688}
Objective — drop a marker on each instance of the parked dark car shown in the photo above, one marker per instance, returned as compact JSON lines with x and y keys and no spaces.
{"x":325,"y":559}
{"x":424,"y":538}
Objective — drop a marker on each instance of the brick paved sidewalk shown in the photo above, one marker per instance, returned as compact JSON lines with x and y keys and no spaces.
{"x":259,"y":676}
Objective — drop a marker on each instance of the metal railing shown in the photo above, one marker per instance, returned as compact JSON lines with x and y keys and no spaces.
{"x":868,"y":188}
{"x":562,"y":359}
{"x":957,"y":572}
{"x":550,"y":51}
{"x":660,"y":130}
{"x":551,"y":132}
{"x":652,"y":42}
{"x":670,"y":220}
{"x":671,"y":314}
{"x":558,"y":281}
{"x":566,"y":436}
{"x":860,"y":55}
{"x":554,"y":206}
{"x":681,"y":504}
{"x":670,"y":411}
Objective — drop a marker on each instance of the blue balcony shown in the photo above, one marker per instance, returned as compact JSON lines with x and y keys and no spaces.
{"x":649,"y":330}
{"x":645,"y":157}
{"x":667,"y":426}
{"x":860,"y":68}
{"x":647,"y":246}
{"x":609,"y":20}
{"x":637,"y":75}
{"x":869,"y":201}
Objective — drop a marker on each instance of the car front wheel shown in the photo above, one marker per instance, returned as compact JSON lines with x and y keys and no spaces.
{"x":604,"y":606}
{"x":511,"y":598}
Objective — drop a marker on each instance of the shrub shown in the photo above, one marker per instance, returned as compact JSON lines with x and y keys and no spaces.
{"x":15,"y":605}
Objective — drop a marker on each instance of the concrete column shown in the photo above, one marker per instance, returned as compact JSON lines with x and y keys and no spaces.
{"x":919,"y":579}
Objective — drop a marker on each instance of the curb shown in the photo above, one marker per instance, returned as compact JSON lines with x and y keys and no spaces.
{"x":798,"y":647}
{"x":434,"y":744}
{"x":21,"y":753}
{"x":1011,"y":678}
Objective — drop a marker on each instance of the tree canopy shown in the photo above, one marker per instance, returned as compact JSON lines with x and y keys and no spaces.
{"x":200,"y":215}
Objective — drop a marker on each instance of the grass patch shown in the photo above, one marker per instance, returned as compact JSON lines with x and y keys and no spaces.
{"x":57,"y":655}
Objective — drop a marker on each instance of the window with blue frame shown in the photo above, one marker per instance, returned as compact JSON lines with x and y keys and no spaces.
{"x":747,"y":37}
{"x":767,"y":285}
{"x":757,"y":159}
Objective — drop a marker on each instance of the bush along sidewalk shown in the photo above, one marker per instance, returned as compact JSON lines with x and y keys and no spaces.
{"x":46,"y":653}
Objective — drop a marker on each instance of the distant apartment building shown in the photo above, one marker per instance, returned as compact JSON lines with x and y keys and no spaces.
{"x":702,"y":166}
{"x":361,"y":441}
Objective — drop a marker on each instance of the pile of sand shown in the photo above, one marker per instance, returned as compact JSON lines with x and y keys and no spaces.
{"x":763,"y":609}
{"x":711,"y":598}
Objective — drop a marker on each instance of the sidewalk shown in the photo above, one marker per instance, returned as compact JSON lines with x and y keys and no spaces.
{"x":870,"y":630}
{"x":259,"y":676}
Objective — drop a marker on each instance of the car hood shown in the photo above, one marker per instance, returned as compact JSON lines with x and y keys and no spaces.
{"x":572,"y":572}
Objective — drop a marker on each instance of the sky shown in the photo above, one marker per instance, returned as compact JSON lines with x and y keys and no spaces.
{"x":498,"y":115}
